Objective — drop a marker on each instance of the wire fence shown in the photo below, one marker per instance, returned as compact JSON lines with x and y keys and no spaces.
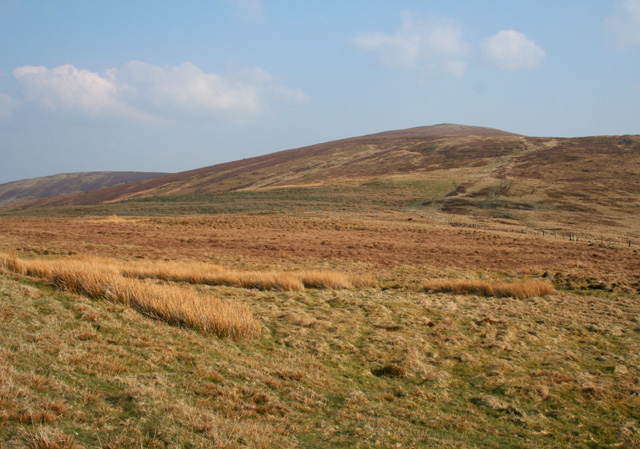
{"x":571,"y":236}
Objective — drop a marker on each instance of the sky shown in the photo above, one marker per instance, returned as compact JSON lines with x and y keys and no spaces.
{"x":167,"y":86}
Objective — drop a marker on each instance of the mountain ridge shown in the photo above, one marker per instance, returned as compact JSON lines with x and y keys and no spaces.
{"x":65,"y":183}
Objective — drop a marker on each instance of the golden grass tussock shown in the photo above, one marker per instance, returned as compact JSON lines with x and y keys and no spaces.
{"x":172,"y":304}
{"x":334,"y":280}
{"x":209,"y":274}
{"x":206,"y":274}
{"x":521,"y":289}
{"x":175,"y":271}
{"x":263,"y":280}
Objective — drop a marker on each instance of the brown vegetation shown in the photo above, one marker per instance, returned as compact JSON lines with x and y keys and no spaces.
{"x":357,"y":245}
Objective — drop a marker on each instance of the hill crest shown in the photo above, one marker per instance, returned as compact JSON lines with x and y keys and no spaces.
{"x":446,"y":130}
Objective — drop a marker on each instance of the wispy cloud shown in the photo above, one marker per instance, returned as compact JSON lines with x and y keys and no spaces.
{"x":248,"y":10}
{"x":145,"y":92}
{"x":425,"y":43}
{"x":512,"y":50}
{"x":624,"y":23}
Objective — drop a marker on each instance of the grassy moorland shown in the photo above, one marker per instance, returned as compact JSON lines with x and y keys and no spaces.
{"x":398,"y":290}
{"x":364,"y":367}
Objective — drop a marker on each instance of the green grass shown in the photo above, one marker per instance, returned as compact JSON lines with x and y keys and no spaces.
{"x":547,"y":372}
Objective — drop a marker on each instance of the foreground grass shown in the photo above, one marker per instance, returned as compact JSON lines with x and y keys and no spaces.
{"x":119,"y":282}
{"x":100,"y":279}
{"x":333,"y":368}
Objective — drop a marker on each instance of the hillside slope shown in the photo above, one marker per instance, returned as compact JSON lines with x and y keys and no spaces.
{"x":353,"y":157}
{"x":47,"y":186}
{"x":541,"y":182}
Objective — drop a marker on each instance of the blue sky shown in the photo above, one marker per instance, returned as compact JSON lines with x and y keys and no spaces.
{"x":171,"y":86}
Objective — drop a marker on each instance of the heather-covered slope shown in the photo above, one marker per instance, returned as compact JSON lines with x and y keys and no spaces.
{"x":46,"y":186}
{"x":389,"y":153}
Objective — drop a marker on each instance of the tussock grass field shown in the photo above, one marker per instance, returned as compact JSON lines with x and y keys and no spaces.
{"x":379,"y":345}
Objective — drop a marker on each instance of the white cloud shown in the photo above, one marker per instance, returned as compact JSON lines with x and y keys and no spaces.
{"x":624,"y":23}
{"x":184,"y":88}
{"x":66,"y":86}
{"x":430,"y":43}
{"x":144,"y":91}
{"x":512,"y":50}
{"x":249,"y":10}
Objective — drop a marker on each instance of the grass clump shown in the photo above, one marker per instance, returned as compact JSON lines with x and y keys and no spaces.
{"x":205,"y":274}
{"x":209,"y":274}
{"x":175,"y":271}
{"x":521,"y":289}
{"x":333,"y":280}
{"x":47,"y":438}
{"x":175,"y":305}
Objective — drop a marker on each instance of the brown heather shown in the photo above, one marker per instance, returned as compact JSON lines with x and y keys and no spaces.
{"x":522,"y":289}
{"x":97,"y":279}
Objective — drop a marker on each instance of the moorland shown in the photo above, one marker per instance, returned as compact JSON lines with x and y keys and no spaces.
{"x":443,"y":286}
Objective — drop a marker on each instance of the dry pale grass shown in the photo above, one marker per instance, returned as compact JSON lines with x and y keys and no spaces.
{"x":262,"y":280}
{"x":209,"y":274}
{"x":522,"y":289}
{"x":175,"y":271}
{"x":333,"y":280}
{"x":48,"y":438}
{"x":175,"y":305}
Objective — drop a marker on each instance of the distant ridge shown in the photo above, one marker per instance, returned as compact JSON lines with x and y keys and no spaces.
{"x":446,"y":130}
{"x":64,"y":183}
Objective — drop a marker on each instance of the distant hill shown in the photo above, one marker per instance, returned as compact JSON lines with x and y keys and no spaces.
{"x":366,"y":156}
{"x":47,"y":186}
{"x":446,"y":130}
{"x":541,"y":181}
